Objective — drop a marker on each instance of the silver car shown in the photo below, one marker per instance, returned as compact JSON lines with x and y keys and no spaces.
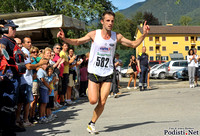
{"x":158,"y":71}
{"x":173,"y":66}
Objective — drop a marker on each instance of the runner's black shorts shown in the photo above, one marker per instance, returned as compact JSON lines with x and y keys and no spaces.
{"x":100,"y":79}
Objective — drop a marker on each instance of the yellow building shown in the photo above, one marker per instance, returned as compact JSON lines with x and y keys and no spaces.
{"x":169,"y":42}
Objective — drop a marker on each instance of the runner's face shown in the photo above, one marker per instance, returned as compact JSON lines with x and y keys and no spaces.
{"x":108,"y":22}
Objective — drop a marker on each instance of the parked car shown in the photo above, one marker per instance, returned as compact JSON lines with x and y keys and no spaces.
{"x":158,"y":71}
{"x":183,"y":73}
{"x":173,"y":66}
{"x":152,"y":63}
{"x":155,"y":66}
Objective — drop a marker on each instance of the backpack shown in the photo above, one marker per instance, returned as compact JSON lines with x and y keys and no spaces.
{"x":18,"y":57}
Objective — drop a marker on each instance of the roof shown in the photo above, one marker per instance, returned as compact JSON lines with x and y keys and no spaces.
{"x":172,"y":29}
{"x":16,"y":15}
{"x":53,"y":21}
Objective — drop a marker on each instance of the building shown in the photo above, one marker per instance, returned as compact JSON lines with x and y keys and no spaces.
{"x":169,"y":42}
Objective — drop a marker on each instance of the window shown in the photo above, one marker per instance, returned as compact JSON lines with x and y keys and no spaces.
{"x":187,"y":48}
{"x":163,"y":38}
{"x":157,"y":57}
{"x":175,"y":42}
{"x":186,"y":38}
{"x":157,"y":38}
{"x":151,"y":58}
{"x":192,"y":38}
{"x":164,"y":58}
{"x":174,"y":52}
{"x":198,"y":48}
{"x":150,"y":38}
{"x":175,"y":64}
{"x":151,"y":48}
{"x":183,"y":64}
{"x":198,"y":38}
{"x":164,"y":48}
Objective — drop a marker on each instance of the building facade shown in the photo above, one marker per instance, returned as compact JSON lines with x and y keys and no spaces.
{"x":165,"y":43}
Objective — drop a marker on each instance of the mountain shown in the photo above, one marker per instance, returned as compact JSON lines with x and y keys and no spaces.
{"x":167,"y":11}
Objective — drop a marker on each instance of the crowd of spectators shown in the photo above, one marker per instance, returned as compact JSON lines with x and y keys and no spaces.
{"x":46,"y":82}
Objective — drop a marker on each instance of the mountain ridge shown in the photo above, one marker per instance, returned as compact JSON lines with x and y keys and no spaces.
{"x":167,"y":11}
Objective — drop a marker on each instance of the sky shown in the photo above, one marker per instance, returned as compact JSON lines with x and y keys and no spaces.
{"x":122,"y":4}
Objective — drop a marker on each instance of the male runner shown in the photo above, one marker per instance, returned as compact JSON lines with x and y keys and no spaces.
{"x":100,"y":66}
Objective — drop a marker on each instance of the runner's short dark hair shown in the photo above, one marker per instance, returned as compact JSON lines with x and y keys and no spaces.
{"x":109,"y":13}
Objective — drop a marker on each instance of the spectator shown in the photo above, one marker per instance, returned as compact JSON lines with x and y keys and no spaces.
{"x":72,"y":74}
{"x":8,"y":94}
{"x":35,"y":89}
{"x":143,"y":65}
{"x":191,"y":58}
{"x":56,"y":67}
{"x":56,"y":49}
{"x":25,"y":90}
{"x":44,"y":90}
{"x":19,"y":42}
{"x":83,"y":77}
{"x":196,"y":66}
{"x":65,"y":77}
{"x":118,"y":64}
{"x":133,"y":65}
{"x":51,"y":79}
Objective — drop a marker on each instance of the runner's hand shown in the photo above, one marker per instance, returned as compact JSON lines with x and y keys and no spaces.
{"x":61,"y":34}
{"x":146,"y":28}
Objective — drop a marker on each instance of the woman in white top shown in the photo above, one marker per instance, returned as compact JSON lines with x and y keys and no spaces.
{"x":191,"y":66}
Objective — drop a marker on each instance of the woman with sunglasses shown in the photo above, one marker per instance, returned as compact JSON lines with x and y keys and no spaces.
{"x":35,"y":89}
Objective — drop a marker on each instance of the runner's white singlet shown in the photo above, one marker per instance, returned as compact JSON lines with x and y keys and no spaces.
{"x":101,"y":55}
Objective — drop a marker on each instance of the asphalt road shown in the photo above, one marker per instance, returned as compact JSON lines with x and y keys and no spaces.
{"x":170,"y":108}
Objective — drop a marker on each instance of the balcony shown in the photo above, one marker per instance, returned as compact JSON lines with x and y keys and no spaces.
{"x":193,"y":42}
{"x":157,"y":42}
{"x":158,"y":53}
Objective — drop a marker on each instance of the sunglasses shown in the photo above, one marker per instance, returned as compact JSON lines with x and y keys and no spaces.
{"x":13,"y":28}
{"x":52,"y":54}
{"x":34,"y":52}
{"x":58,"y":48}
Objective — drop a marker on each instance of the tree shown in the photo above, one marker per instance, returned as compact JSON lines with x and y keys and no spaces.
{"x":86,"y":10}
{"x":151,"y":20}
{"x":185,"y":20}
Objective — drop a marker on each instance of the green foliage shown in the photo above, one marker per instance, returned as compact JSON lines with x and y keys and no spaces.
{"x":125,"y":56}
{"x":151,"y":20}
{"x":81,"y":9}
{"x":185,"y":20}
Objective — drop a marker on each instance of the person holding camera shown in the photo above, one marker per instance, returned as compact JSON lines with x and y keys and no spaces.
{"x":9,"y":86}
